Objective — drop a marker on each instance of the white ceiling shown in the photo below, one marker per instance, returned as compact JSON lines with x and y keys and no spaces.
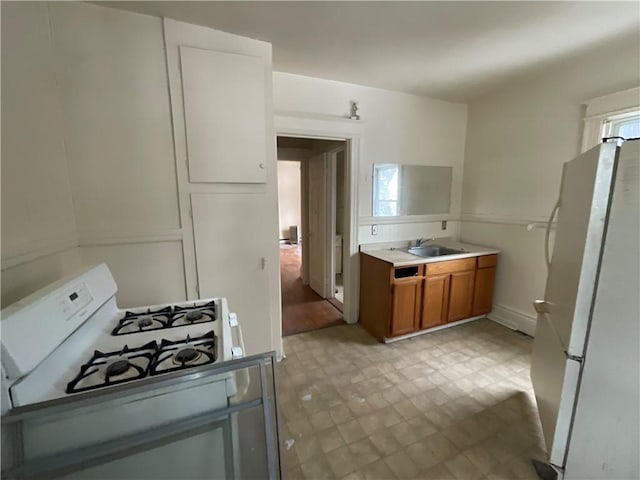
{"x":448,"y":50}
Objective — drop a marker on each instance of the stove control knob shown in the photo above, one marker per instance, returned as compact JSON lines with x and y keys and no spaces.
{"x":237,"y":352}
{"x":233,"y":319}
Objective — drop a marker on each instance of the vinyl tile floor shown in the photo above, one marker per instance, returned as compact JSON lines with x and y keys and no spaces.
{"x":453,"y":404}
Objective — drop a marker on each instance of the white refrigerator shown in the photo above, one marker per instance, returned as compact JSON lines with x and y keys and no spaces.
{"x":585,"y":367}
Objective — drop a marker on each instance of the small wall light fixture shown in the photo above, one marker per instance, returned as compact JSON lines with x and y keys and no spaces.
{"x":354,"y":111}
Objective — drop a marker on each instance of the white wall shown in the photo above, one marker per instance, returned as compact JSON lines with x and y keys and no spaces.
{"x":38,"y":226}
{"x":517,"y":139}
{"x":119,"y":147}
{"x":87,"y":151}
{"x":289,"y":201}
{"x":398,"y":128}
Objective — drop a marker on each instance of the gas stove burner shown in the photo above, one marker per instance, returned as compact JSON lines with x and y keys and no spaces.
{"x":145,"y":321}
{"x":191,"y":352}
{"x":117,"y":368}
{"x":186,"y":355}
{"x":194,"y":316}
{"x":134,"y":322}
{"x":112,"y":368}
{"x":188,"y":315}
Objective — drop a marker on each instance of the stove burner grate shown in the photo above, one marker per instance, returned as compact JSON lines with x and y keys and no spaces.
{"x":182,"y":354}
{"x":167,"y":317}
{"x":112,"y":368}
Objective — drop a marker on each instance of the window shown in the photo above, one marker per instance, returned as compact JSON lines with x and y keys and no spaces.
{"x":625,"y":126}
{"x":614,"y":115}
{"x":385,"y":191}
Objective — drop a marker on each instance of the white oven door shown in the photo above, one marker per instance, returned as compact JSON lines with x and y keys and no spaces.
{"x":174,"y":426}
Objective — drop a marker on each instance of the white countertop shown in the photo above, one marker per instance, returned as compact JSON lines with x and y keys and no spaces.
{"x":398,"y":258}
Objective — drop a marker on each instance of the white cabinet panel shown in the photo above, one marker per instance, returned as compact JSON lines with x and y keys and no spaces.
{"x":224,"y":105}
{"x":231,"y":255}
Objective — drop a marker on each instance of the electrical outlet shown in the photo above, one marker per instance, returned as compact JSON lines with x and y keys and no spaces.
{"x":374,"y":229}
{"x":444,"y":225}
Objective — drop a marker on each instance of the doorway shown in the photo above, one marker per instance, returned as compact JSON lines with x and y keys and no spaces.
{"x":311,"y":222}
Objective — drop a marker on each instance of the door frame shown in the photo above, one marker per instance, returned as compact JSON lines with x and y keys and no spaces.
{"x":295,"y":124}
{"x":332,"y":195}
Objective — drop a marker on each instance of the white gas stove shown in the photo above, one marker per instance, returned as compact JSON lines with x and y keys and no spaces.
{"x":162,"y":391}
{"x":70,"y":337}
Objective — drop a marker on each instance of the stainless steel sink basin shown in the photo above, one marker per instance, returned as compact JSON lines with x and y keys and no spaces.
{"x":432,"y":251}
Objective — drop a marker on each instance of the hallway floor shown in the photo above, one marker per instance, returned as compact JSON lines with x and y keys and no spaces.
{"x":451,"y":405}
{"x":302,"y":308}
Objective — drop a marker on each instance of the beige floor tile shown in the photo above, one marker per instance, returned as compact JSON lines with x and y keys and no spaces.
{"x":316,"y":468}
{"x":351,"y":431}
{"x":371,"y":422}
{"x":354,"y":476}
{"x":341,"y":462}
{"x":401,"y":465}
{"x":364,"y":452}
{"x":330,"y":439}
{"x":299,"y":426}
{"x":378,"y":470}
{"x":307,"y":447}
{"x":389,"y":416}
{"x":321,"y":421}
{"x":341,"y":414}
{"x":385,"y":442}
{"x":441,"y":446}
{"x":404,"y":433}
{"x":439,"y":472}
{"x":462,"y":468}
{"x":420,"y":453}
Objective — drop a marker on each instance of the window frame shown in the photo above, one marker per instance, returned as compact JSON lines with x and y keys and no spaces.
{"x":605,"y":109}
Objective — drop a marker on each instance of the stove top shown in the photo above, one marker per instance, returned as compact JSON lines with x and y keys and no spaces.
{"x":129,"y":364}
{"x":166,"y":317}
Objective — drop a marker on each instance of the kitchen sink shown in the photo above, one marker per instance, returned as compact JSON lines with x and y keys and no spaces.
{"x":432,"y":251}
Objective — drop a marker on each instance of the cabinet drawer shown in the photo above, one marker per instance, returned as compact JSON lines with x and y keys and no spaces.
{"x":451,"y":266}
{"x":400,"y":273}
{"x":485,"y":261}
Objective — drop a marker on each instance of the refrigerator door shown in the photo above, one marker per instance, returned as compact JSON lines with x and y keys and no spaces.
{"x":564,"y":315}
{"x":584,"y":200}
{"x":605,"y":439}
{"x":555,"y":380}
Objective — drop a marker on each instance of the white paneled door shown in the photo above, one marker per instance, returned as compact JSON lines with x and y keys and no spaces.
{"x":232,"y":259}
{"x":224,"y":108}
{"x":317,"y":244}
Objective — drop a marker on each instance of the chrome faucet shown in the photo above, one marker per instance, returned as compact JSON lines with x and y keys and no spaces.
{"x":421,"y":240}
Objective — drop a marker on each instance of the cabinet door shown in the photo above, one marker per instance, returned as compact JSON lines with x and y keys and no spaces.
{"x":483,"y":293}
{"x":231,"y":263}
{"x":224,"y":110}
{"x":405,"y":306}
{"x":435,"y":300}
{"x":461,"y":295}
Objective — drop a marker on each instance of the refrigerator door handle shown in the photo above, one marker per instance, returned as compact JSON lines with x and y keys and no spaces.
{"x":547,"y":254}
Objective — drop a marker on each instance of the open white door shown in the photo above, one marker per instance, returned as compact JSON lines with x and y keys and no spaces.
{"x":317,"y":245}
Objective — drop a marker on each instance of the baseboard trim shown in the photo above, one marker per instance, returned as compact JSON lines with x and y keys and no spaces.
{"x":513,"y":319}
{"x":431,"y":330}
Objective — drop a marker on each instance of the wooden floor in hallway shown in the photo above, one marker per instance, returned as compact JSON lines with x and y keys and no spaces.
{"x":302,"y":308}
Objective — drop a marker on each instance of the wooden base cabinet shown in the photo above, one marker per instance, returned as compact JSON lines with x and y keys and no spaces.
{"x":435,"y":300}
{"x":406,"y":297}
{"x":397,"y":301}
{"x":461,"y":295}
{"x":485,"y":279}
